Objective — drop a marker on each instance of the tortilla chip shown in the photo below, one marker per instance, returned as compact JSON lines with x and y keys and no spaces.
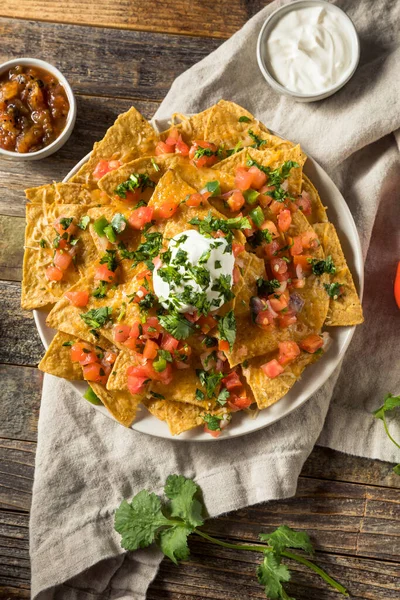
{"x":60,"y":193}
{"x":179,"y":417}
{"x":268,"y":391}
{"x":253,"y":268}
{"x":37,"y":291}
{"x":347,"y":309}
{"x":57,"y":360}
{"x":191,"y":128}
{"x":129,"y":137}
{"x":198,"y":178}
{"x":122,"y":405}
{"x":318,"y":210}
{"x":183,"y":389}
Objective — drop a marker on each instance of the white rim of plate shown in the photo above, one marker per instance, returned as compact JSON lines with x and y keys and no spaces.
{"x":314,"y":377}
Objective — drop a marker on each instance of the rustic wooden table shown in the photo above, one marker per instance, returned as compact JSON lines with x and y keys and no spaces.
{"x":116,"y":54}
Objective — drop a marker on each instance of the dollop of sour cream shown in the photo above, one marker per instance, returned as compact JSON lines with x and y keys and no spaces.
{"x":309,"y":50}
{"x":196,"y":264}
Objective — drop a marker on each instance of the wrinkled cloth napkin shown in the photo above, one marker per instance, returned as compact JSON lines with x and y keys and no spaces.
{"x":87,"y":463}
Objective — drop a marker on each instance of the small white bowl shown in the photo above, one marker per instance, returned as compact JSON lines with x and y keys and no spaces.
{"x":270,"y":24}
{"x":64,"y":135}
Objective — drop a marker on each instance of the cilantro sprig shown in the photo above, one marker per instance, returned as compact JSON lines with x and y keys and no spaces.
{"x":322,"y":266}
{"x":390,"y":404}
{"x":169,"y":521}
{"x":134,"y":182}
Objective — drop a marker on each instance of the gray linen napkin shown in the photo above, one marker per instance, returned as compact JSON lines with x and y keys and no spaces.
{"x":86,"y":463}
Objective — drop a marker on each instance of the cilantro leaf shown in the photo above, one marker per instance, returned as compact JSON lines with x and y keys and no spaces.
{"x":110,"y":260}
{"x":177,"y":325}
{"x":148,"y":301}
{"x":43,"y":243}
{"x":258,"y":142}
{"x":182,"y":493}
{"x":146,"y":251}
{"x":214,"y":188}
{"x":173,"y":543}
{"x":210,"y":380}
{"x":139,"y":521}
{"x":271,"y":574}
{"x":323,"y":266}
{"x":390,"y":403}
{"x":212,"y":421}
{"x":134,"y":182}
{"x":101,"y":290}
{"x":334,"y":290}
{"x":285,"y":537}
{"x":244,"y":119}
{"x":97,"y":317}
{"x":223,"y":396}
{"x":66,"y":222}
{"x":266,"y":287}
{"x":227,"y":328}
{"x":210,"y":224}
{"x":204,"y":152}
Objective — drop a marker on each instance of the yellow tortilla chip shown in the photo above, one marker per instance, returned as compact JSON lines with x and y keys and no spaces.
{"x":57,"y":360}
{"x":191,"y":128}
{"x":129,"y":137}
{"x":37,"y":291}
{"x":198,"y":178}
{"x":253,"y":268}
{"x":179,"y":417}
{"x":318,"y":210}
{"x":268,"y":391}
{"x":347,"y":309}
{"x":122,"y":405}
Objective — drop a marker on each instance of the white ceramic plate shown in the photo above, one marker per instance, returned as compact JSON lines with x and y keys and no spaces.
{"x":314,"y":376}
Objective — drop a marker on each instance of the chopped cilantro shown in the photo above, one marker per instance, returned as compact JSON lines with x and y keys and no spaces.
{"x":199,"y":395}
{"x":212,"y":421}
{"x":97,"y":317}
{"x":122,"y":312}
{"x":214,"y":188}
{"x":244,"y":119}
{"x":223,"y":397}
{"x":147,"y":302}
{"x":217,"y":264}
{"x":110,"y":260}
{"x":210,"y":224}
{"x":157,"y":396}
{"x":322,"y":266}
{"x":200,"y":152}
{"x":156,"y":168}
{"x":70,"y":343}
{"x":222,"y":285}
{"x":334,"y":290}
{"x":227,"y":328}
{"x":84,"y":222}
{"x":43,"y":243}
{"x":147,"y":250}
{"x":134,"y":182}
{"x":176,"y":325}
{"x":210,"y":380}
{"x":101,"y":290}
{"x":266,"y":287}
{"x":258,"y":142}
{"x":66,"y":222}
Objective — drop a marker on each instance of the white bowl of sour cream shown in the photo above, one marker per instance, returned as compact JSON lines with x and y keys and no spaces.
{"x":308,"y":50}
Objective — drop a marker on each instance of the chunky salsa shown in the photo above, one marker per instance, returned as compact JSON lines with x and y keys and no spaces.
{"x":33,"y":109}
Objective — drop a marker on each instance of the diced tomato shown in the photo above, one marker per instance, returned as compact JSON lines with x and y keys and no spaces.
{"x":95,"y":372}
{"x":145,"y":370}
{"x":278,"y":265}
{"x":270,"y":225}
{"x":303,"y":261}
{"x":282,"y":276}
{"x":270,"y":250}
{"x":309,"y":239}
{"x":163,"y":148}
{"x":54,"y":274}
{"x":63,"y":244}
{"x":79,"y":352}
{"x":165,"y":376}
{"x":105,"y":166}
{"x":136,"y":385}
{"x":109,"y":357}
{"x":70,"y":230}
{"x":194,"y":200}
{"x":150,"y":349}
{"x":141,"y":293}
{"x":223,"y":345}
{"x":79,"y":299}
{"x":298,"y":283}
{"x":206,"y":161}
{"x":62,"y":259}
{"x":166,"y":210}
{"x":304,"y":203}
{"x":278,"y":304}
{"x":237,"y":403}
{"x":207,"y":323}
{"x":259,"y":177}
{"x":397,"y":286}
{"x":145,"y":274}
{"x":264,"y":198}
{"x":171,"y":141}
{"x":203,"y":161}
{"x":173,"y":135}
{"x":236,"y":275}
{"x":296,"y":246}
{"x":181,"y":147}
{"x":232,"y":381}
{"x":103,"y":273}
{"x":237,"y":249}
{"x":121,"y":333}
{"x":152,"y":328}
{"x":272,"y":368}
{"x":169,"y":343}
{"x":136,"y":330}
{"x":311,"y":343}
{"x":236,"y":201}
{"x":288,"y":351}
{"x":284,"y":220}
{"x":264,"y":319}
{"x":214,"y":434}
{"x":285,"y":319}
{"x":140,"y":217}
{"x":243,"y":179}
{"x":131,"y":196}
{"x":131,"y":343}
{"x":276,"y":207}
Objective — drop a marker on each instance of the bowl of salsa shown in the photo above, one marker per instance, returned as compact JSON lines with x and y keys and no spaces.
{"x":37,"y":109}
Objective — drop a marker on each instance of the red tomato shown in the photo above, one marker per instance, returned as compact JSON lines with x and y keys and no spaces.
{"x":270,"y":250}
{"x":207,"y":323}
{"x":296,"y":245}
{"x":79,"y":352}
{"x":236,"y":403}
{"x":169,"y":343}
{"x":278,"y":304}
{"x":265,"y":319}
{"x":214,"y":434}
{"x":62,"y":259}
{"x":237,"y":248}
{"x":302,"y":260}
{"x":79,"y":299}
{"x":236,"y":275}
{"x":270,"y":225}
{"x":103,"y":273}
{"x":278,"y":265}
{"x":165,"y":376}
{"x":70,"y":230}
{"x":236,"y":201}
{"x":264,"y":199}
{"x":286,"y":319}
{"x":166,"y":210}
{"x":136,"y":385}
{"x":309,"y":239}
{"x":121,"y":333}
{"x":131,"y":343}
{"x":109,"y":357}
{"x":146,"y":370}
{"x":276,"y":207}
{"x":140,"y":294}
{"x":304,"y":203}
{"x":288,"y":351}
{"x":181,"y":147}
{"x":150,"y":349}
{"x":223,"y":345}
{"x":259,"y":177}
{"x":152,"y":328}
{"x":171,"y":141}
{"x":284,"y":219}
{"x":105,"y":166}
{"x":282,"y":276}
{"x":298,"y":283}
{"x":206,"y":161}
{"x":95,"y":372}
{"x":243,"y":179}
{"x":272,"y":368}
{"x":163,"y":148}
{"x":232,"y":381}
{"x":203,"y":161}
{"x":311,"y":343}
{"x":54,"y":274}
{"x":140,"y":217}
{"x":397,"y":286}
{"x":173,"y":135}
{"x":194,"y":200}
{"x":63,"y":245}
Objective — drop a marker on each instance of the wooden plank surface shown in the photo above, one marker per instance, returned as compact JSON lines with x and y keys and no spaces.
{"x":195,"y":17}
{"x":131,"y":54}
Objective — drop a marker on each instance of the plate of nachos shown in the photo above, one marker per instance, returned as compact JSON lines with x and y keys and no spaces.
{"x":186,"y":277}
